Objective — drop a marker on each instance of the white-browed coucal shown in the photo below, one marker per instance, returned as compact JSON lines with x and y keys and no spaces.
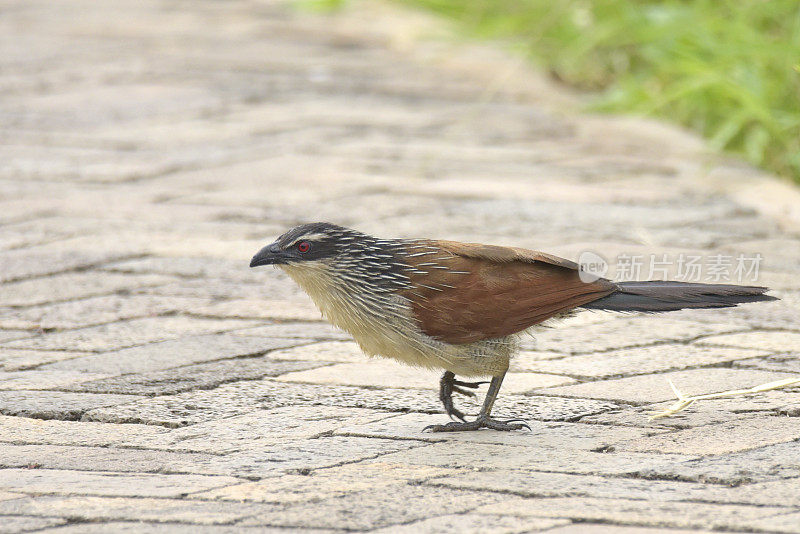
{"x":459,"y":306}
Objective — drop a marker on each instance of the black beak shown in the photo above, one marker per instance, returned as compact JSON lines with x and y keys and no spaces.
{"x":269,"y":255}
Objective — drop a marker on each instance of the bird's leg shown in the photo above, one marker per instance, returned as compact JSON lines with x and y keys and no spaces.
{"x":484,"y":420}
{"x":447,"y":385}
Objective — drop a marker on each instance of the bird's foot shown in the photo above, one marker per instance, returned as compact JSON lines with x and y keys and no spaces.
{"x":449,"y":385}
{"x":483,"y":421}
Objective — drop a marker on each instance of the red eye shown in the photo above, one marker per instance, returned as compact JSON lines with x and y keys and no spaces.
{"x":303,"y":247}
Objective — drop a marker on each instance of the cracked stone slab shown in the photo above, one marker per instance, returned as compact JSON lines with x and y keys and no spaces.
{"x":641,"y":360}
{"x":734,"y":436}
{"x":56,"y":404}
{"x":325,"y":484}
{"x":758,"y":465}
{"x":128,"y":333}
{"x":242,"y":397}
{"x":102,"y":459}
{"x":542,"y":434}
{"x":655,"y":388}
{"x":21,"y":359}
{"x":191,"y":377}
{"x":62,"y":482}
{"x":473,"y":524}
{"x":548,"y":485}
{"x":329,"y":351}
{"x":384,"y":373}
{"x":136,"y":526}
{"x":13,"y":524}
{"x":92,"y":311}
{"x":132,"y":509}
{"x":179,"y":352}
{"x":16,"y":265}
{"x":69,"y":286}
{"x":635,"y":512}
{"x":41,"y":380}
{"x":375,"y":509}
{"x":624,"y":332}
{"x":781,"y":363}
{"x":258,"y":429}
{"x":24,"y":430}
{"x":772,"y":341}
{"x":484,"y":456}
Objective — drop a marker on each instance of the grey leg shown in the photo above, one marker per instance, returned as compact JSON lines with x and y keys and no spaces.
{"x":484,"y":420}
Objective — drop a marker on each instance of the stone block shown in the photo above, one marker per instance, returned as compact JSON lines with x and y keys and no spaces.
{"x":21,"y":359}
{"x":102,"y":459}
{"x":27,"y":431}
{"x":93,"y":509}
{"x":189,"y":377}
{"x":474,"y":524}
{"x":124,"y":334}
{"x":51,"y":379}
{"x":403,"y":504}
{"x":325,"y":484}
{"x":655,"y":388}
{"x":774,"y":341}
{"x":93,"y":311}
{"x":740,"y":435}
{"x":60,"y":482}
{"x":13,"y":524}
{"x":385,"y":373}
{"x":634,"y":512}
{"x":174,"y":353}
{"x":328,"y":351}
{"x":70,"y":286}
{"x":56,"y":404}
{"x":641,"y":360}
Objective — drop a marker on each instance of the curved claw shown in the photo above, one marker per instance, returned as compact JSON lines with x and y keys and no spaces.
{"x":471,"y":385}
{"x":480,"y":422}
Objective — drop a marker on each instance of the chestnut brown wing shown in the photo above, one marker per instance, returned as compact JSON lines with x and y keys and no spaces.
{"x":464,"y":292}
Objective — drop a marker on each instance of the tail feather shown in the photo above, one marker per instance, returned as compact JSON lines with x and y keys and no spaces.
{"x":668,"y":296}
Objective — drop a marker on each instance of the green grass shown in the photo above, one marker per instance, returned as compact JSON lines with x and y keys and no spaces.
{"x":729,"y":69}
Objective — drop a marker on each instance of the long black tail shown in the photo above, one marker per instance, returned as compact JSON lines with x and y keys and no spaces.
{"x":668,"y":296}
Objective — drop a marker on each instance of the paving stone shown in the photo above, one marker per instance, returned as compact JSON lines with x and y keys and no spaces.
{"x":787,"y":522}
{"x":541,"y":434}
{"x":532,"y":484}
{"x":592,"y":528}
{"x":387,"y":373}
{"x":375,"y":509}
{"x":329,"y":351}
{"x":187,"y":378}
{"x":133,"y":509}
{"x":266,"y":459}
{"x":641,"y":360}
{"x":783,"y":492}
{"x":10,"y":335}
{"x":35,"y":380}
{"x":300,"y":309}
{"x":624,"y":332}
{"x":55,"y":481}
{"x":636,"y":512}
{"x":706,"y":412}
{"x":21,"y":359}
{"x":70,"y":286}
{"x":259,"y":428}
{"x":479,"y":456}
{"x":128,"y":333}
{"x":143,"y":527}
{"x":474,"y":523}
{"x":325,"y":484}
{"x":317,"y":331}
{"x":655,"y":388}
{"x":92,"y":311}
{"x":789,"y":363}
{"x":56,"y":404}
{"x":746,"y":433}
{"x":23,"y":430}
{"x":100,"y":459}
{"x":242,"y":397}
{"x":757,"y":465}
{"x":174,"y":353}
{"x":12,"y":524}
{"x":17,"y":265}
{"x":772,"y":341}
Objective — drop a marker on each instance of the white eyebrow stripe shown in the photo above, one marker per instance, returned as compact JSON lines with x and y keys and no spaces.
{"x":309,"y":237}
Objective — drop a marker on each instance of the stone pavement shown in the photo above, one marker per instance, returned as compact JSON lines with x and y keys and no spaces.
{"x":151,"y":382}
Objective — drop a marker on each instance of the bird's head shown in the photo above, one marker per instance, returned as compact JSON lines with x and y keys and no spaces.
{"x":314,"y":242}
